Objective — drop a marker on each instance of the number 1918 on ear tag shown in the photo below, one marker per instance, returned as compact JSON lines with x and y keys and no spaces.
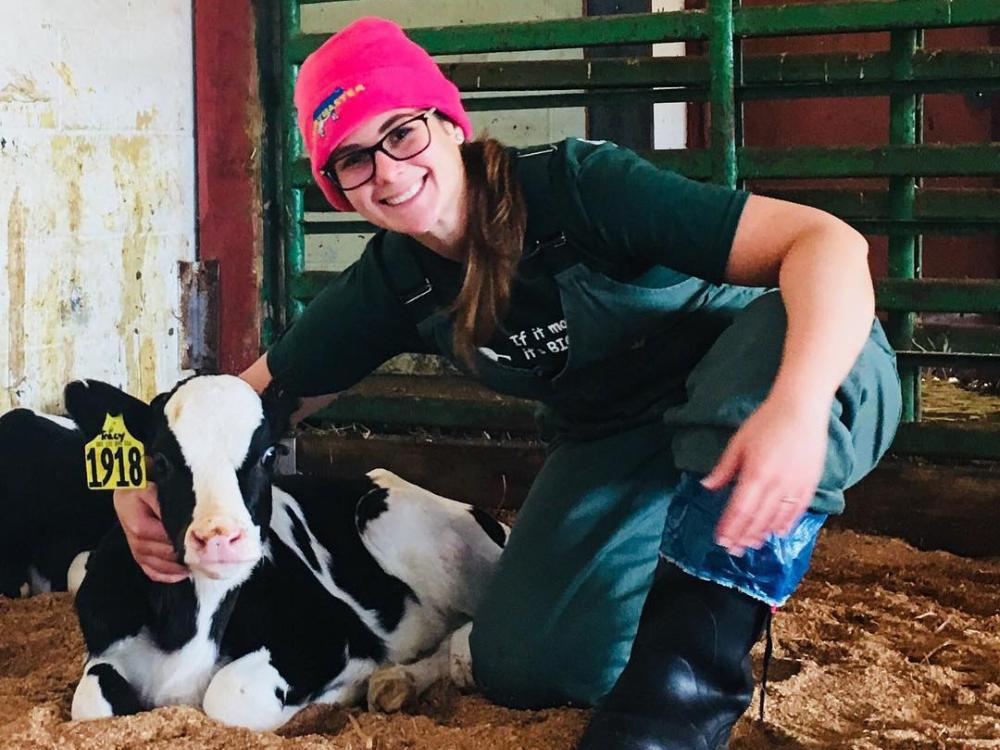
{"x":114,"y":459}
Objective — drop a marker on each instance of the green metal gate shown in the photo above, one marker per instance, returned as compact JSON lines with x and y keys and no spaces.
{"x":725,"y":78}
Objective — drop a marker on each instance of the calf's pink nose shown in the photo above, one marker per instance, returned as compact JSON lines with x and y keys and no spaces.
{"x":216,"y":540}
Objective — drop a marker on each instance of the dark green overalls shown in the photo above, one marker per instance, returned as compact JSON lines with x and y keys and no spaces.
{"x":662,"y":369}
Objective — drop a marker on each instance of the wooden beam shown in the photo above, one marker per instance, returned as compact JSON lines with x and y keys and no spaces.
{"x":486,"y":473}
{"x":228,"y":131}
{"x":951,"y":507}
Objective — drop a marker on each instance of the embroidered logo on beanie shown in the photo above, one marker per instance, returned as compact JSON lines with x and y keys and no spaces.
{"x":327,"y":109}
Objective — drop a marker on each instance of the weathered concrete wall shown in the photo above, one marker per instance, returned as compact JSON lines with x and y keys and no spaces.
{"x":96,"y":195}
{"x":669,"y":118}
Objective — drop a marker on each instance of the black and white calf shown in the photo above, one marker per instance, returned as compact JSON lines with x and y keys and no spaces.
{"x":299,"y":591}
{"x":47,"y":515}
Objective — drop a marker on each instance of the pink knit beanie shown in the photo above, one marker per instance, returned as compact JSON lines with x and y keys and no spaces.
{"x":366,"y":68}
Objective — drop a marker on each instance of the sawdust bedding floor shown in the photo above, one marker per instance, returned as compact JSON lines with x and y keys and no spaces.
{"x":884,"y":647}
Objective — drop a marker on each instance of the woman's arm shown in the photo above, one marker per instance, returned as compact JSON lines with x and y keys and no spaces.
{"x":820,"y":265}
{"x":258,"y":375}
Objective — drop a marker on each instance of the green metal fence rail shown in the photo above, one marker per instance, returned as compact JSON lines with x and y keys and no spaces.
{"x":725,"y":78}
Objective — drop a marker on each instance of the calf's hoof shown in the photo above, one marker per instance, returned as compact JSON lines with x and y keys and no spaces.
{"x":391,"y":689}
{"x":88,"y":701}
{"x":101,"y":693}
{"x":249,"y":693}
{"x":460,"y":660}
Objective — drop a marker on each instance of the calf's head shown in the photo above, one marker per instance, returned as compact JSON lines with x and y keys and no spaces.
{"x":212,"y":442}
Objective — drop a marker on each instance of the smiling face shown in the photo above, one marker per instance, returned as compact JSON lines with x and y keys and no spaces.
{"x":422,"y":196}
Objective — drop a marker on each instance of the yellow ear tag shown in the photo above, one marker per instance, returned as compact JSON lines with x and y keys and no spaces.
{"x":114,"y":458}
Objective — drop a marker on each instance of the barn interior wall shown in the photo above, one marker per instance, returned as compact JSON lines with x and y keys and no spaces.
{"x":97,"y":199}
{"x":669,"y":118}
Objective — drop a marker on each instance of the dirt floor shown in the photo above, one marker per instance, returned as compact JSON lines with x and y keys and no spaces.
{"x":884,"y":647}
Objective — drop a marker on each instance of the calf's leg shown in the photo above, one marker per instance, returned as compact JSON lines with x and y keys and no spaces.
{"x":460,"y":663}
{"x":397,"y":685}
{"x":394,"y":686}
{"x":250,"y":693}
{"x":103,"y":692}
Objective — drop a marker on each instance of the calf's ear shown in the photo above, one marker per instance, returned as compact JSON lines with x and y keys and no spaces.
{"x":88,"y":402}
{"x":279,"y":406}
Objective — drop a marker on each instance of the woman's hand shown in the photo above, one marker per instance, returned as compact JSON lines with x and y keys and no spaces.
{"x":139,"y":514}
{"x":776,"y":459}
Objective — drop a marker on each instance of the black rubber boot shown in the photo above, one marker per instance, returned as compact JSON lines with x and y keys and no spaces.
{"x":688,"y":679}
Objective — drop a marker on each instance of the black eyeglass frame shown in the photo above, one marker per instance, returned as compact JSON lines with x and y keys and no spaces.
{"x":370,"y":151}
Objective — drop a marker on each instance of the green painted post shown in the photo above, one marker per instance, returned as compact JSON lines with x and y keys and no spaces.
{"x":738,"y":136}
{"x":904,"y":127}
{"x":291,"y":197}
{"x":267,"y":41}
{"x":722,"y":92}
{"x":295,"y":254}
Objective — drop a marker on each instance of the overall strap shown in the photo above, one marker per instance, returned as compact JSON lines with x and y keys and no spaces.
{"x":406,"y":276}
{"x":544,"y":235}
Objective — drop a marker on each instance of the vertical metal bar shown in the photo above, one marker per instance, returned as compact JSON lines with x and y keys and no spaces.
{"x":295,"y":255}
{"x":721,"y":92}
{"x":904,"y":250}
{"x":292,"y":198}
{"x":268,"y":62}
{"x":738,"y":133}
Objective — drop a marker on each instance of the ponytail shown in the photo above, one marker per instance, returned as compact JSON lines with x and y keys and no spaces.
{"x":495,"y":225}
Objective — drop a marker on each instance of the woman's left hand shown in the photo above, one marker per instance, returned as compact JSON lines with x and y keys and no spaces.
{"x":776,"y":459}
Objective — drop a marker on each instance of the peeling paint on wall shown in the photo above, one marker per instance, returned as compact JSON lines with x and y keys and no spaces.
{"x":147,"y":386}
{"x":57,"y":303}
{"x":144,"y":119}
{"x":69,"y":155}
{"x":56,"y":355}
{"x":23,"y":90}
{"x":15,"y":305}
{"x":139,"y":182}
{"x":94,"y":216}
{"x":133,"y":299}
{"x":67,"y":77}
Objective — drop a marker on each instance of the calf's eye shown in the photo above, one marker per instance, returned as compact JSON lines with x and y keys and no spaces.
{"x":267,"y":460}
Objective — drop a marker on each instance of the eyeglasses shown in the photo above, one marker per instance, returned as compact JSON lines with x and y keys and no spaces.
{"x":404,"y":141}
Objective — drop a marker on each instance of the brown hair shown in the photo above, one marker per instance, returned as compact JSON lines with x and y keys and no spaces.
{"x":495,"y":223}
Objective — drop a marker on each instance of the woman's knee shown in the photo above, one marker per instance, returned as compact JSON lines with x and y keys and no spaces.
{"x":541,"y":645}
{"x":515,"y":669}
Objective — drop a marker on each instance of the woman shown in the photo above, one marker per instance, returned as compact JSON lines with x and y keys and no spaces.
{"x":697,"y":440}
